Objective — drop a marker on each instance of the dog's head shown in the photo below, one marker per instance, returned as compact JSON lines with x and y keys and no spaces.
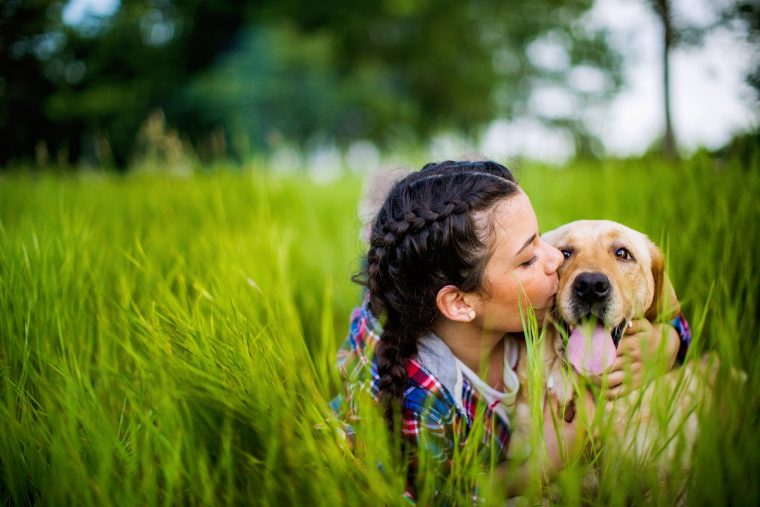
{"x":611,"y":275}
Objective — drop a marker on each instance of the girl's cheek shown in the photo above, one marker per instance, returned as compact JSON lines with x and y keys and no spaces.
{"x":551,"y":284}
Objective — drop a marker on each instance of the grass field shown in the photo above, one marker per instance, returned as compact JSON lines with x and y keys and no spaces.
{"x":171,"y":341}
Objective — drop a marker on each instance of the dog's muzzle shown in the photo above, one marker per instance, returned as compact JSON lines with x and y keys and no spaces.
{"x":591,"y":288}
{"x":590,"y":296}
{"x":592,"y":340}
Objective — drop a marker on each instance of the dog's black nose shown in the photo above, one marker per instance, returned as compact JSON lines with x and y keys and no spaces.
{"x":591,"y":287}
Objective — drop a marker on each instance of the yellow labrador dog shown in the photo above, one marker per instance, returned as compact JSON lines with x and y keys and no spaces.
{"x":611,"y":275}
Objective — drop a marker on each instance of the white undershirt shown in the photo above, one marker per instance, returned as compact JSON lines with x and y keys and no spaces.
{"x":501,"y":402}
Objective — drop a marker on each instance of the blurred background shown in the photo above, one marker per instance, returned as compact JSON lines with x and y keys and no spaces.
{"x":178,"y":191}
{"x":179,"y":84}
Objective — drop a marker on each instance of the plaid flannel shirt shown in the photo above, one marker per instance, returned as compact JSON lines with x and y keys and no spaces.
{"x":430,"y":415}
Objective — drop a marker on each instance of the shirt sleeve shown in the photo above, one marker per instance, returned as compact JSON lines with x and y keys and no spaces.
{"x":354,"y":363}
{"x":684,"y":333}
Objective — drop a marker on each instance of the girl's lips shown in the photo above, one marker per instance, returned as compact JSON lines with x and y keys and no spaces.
{"x":548,"y":306}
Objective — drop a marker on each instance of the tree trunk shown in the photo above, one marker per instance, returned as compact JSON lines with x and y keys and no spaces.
{"x":669,"y":139}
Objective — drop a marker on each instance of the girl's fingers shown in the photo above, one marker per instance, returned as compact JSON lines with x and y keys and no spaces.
{"x":623,"y":363}
{"x":634,"y":326}
{"x":619,"y":363}
{"x":614,"y":378}
{"x":629,"y":346}
{"x":622,"y":383}
{"x":638,"y":326}
{"x":616,"y":392}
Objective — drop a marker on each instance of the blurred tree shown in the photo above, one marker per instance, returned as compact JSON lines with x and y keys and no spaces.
{"x":739,"y":16}
{"x":747,"y":14}
{"x":29,"y":34}
{"x":415,"y":67}
{"x":258,"y":73}
{"x":76,"y":89}
{"x":135,"y":62}
{"x":665,"y":14}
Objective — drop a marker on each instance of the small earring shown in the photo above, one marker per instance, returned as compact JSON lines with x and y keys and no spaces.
{"x":471,"y":314}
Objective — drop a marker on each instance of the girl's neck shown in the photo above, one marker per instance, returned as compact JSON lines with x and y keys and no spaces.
{"x":481,"y":351}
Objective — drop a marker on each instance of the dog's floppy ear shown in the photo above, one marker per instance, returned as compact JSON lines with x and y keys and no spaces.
{"x":665,"y":304}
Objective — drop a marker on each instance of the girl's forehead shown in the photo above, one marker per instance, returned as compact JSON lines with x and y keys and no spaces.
{"x":513,"y":222}
{"x":514,"y":212}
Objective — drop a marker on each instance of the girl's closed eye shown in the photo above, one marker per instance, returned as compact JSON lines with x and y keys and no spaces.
{"x":530,"y":262}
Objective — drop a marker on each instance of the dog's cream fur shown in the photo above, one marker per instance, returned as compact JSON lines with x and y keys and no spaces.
{"x":640,"y":287}
{"x":656,"y":424}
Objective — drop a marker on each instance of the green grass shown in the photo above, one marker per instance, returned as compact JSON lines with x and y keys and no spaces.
{"x":169,"y":341}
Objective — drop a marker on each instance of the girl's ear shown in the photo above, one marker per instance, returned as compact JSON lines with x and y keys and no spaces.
{"x":453,"y":305}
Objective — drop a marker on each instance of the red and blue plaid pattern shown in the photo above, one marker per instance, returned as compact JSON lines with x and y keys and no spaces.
{"x":684,"y":332}
{"x":430,"y":415}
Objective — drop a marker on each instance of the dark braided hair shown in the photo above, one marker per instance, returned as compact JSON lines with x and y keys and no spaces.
{"x":427,"y":235}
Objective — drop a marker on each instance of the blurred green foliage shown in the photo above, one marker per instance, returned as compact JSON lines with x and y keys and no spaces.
{"x":172,"y":340}
{"x":241,"y":77}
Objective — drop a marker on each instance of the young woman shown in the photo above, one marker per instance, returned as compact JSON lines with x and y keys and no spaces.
{"x":455,"y":258}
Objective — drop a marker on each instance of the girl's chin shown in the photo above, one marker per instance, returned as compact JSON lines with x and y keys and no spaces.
{"x":540,"y":313}
{"x":545,"y":308}
{"x":543,"y":312}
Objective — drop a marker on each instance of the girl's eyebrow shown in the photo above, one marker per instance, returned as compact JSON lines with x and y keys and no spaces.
{"x":525,"y":245}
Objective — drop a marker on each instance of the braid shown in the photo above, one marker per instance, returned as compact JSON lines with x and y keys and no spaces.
{"x":417,"y":219}
{"x":424,"y":237}
{"x":392,"y":352}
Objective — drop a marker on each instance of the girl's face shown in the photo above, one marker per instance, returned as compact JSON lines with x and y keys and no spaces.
{"x":522,"y":269}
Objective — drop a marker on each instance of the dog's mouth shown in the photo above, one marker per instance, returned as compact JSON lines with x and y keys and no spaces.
{"x":592,"y":346}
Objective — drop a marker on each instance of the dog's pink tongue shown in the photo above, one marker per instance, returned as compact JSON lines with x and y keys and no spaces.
{"x":591,"y":351}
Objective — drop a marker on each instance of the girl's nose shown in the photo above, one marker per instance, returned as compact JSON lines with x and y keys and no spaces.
{"x":555,"y":259}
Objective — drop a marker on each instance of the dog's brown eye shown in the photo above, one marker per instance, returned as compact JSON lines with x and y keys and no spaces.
{"x":624,"y":254}
{"x":566,"y":253}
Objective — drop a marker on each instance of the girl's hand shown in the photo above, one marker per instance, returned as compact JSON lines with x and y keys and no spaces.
{"x":642,"y":343}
